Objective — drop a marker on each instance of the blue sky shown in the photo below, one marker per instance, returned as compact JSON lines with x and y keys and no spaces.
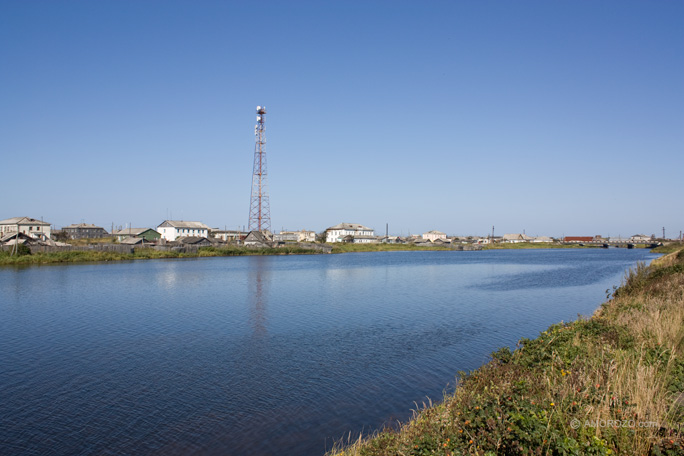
{"x":562,"y":117}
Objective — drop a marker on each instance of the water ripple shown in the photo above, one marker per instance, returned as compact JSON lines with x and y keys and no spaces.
{"x":263,"y":355}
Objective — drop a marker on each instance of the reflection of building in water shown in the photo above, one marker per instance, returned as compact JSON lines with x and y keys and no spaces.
{"x":178,"y":274}
{"x":342,"y":276}
{"x":258,"y":281}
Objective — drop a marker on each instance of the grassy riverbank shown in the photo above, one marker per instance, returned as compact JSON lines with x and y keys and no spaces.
{"x":605,"y":385}
{"x":148,"y":253}
{"x":340,"y":247}
{"x":79,"y":256}
{"x":669,"y":247}
{"x":75,"y":256}
{"x":547,"y":245}
{"x":536,"y":245}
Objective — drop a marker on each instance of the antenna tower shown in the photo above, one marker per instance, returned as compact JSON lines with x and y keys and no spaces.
{"x":259,"y":207}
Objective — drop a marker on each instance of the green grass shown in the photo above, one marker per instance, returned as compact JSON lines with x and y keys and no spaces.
{"x":537,"y":245}
{"x":602,"y":386}
{"x":78,"y":256}
{"x":548,"y":245}
{"x":669,"y":247}
{"x":91,"y":241}
{"x":236,"y":251}
{"x":230,"y":250}
{"x":340,"y":247}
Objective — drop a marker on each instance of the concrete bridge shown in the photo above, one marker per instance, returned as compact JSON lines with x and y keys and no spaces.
{"x":619,"y":243}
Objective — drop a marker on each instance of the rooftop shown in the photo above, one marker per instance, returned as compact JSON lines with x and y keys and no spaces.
{"x":82,"y":225}
{"x":23,"y":221}
{"x":183,"y":224}
{"x":350,"y":226}
{"x":130,"y":231}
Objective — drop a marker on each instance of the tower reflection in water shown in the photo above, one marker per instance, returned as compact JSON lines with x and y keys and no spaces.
{"x":258,"y":277}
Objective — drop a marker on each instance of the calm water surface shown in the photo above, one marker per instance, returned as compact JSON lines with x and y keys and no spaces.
{"x":264,"y":355}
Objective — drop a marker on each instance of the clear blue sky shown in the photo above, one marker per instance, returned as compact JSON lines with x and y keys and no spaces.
{"x":562,"y":117}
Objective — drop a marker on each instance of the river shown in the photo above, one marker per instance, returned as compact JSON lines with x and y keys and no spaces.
{"x":265,"y":355}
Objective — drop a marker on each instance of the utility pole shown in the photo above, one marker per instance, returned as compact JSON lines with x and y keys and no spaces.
{"x":15,"y":247}
{"x":663,"y":232}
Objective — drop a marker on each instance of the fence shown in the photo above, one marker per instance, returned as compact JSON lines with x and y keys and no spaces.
{"x":119,"y":248}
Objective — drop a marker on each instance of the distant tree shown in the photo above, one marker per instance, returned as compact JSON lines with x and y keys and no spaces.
{"x":59,"y":235}
{"x":320,"y":237}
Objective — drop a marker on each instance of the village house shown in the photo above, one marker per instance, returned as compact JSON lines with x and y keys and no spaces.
{"x":641,"y":238}
{"x":257,"y":239}
{"x":340,"y":231}
{"x":515,"y":238}
{"x":172,"y":229}
{"x":132,"y":241}
{"x":33,"y":228}
{"x":285,"y":236}
{"x":392,"y":240}
{"x":228,"y":235}
{"x":198,"y":241}
{"x":433,"y":235}
{"x":20,"y":238}
{"x":295,"y":236}
{"x":360,"y":239}
{"x":84,"y":231}
{"x":147,"y":234}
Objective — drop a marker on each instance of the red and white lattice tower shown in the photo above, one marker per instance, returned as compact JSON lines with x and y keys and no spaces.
{"x":259,"y":207}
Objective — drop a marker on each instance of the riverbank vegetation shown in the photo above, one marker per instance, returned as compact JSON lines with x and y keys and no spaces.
{"x":610,"y":384}
{"x":538,"y":245}
{"x":26,"y":257}
{"x":669,"y":247}
{"x":343,"y":247}
{"x":77,"y":256}
{"x":74,"y":256}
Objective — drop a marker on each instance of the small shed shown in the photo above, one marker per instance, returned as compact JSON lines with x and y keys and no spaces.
{"x":257,"y":239}
{"x":132,"y":241}
{"x":194,"y":240}
{"x":148,"y":234}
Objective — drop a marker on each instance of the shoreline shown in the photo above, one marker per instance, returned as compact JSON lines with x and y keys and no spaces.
{"x":609,"y":384}
{"x":87,"y":255}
